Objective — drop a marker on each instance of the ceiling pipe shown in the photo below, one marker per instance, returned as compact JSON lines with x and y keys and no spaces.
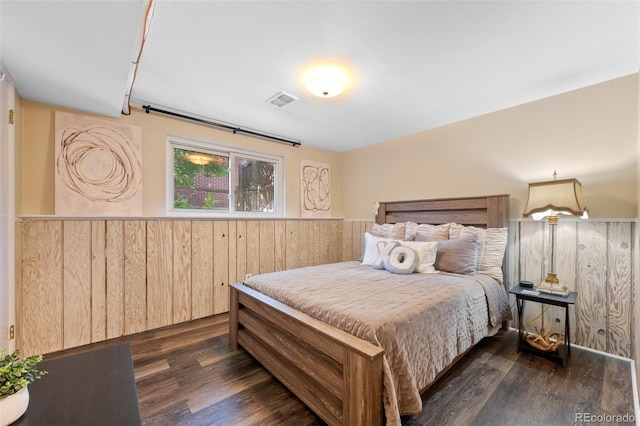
{"x":143,"y":30}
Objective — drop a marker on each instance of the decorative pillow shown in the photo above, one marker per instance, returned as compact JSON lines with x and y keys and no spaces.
{"x":376,"y":249}
{"x":401,"y":260}
{"x":459,"y":256}
{"x":426,"y":252}
{"x":395,"y":231}
{"x":431,"y":232}
{"x":492,"y":243}
{"x":384,"y":250}
{"x":409,"y":231}
{"x":371,"y":248}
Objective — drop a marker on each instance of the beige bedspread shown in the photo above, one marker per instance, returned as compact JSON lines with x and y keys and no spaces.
{"x":422,"y":321}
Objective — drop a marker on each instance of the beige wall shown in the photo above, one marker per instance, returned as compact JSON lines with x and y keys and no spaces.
{"x":37,"y":171}
{"x":636,"y":302}
{"x":590,"y":134}
{"x":18,"y":153}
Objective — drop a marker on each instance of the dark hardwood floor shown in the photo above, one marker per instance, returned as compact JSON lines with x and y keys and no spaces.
{"x":188,"y":375}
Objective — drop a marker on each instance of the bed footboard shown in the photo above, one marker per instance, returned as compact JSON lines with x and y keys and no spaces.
{"x":337,"y":375}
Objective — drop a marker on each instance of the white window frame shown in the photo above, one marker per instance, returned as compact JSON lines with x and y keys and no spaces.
{"x":214,"y":148}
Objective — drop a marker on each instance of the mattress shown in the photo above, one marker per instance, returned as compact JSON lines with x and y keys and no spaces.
{"x":422,"y":321}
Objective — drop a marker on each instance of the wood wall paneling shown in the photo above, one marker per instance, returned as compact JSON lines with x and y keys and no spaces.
{"x":335,"y":236}
{"x":532,"y":264}
{"x":202,"y":269}
{"x":292,"y":251}
{"x":233,"y":253}
{"x":306,"y":243}
{"x":42,"y":288}
{"x":267,"y":246}
{"x":591,"y":304}
{"x":135,"y":276}
{"x":620,"y":288}
{"x":355,"y":240}
{"x":318,"y":248}
{"x":280,"y":248}
{"x":513,"y":273}
{"x":181,"y":271}
{"x":241,"y":249}
{"x":159,"y":273}
{"x":253,"y":247}
{"x":98,"y":281}
{"x":220,"y":266}
{"x":565,"y":261}
{"x":86,"y":281}
{"x":594,"y":258}
{"x":114,"y":252}
{"x":347,"y":240}
{"x":76,"y":243}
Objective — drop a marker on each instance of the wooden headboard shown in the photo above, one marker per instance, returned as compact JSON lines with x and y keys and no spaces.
{"x":486,"y":212}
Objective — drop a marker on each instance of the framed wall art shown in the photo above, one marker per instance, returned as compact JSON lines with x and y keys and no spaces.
{"x":98,"y":166}
{"x":315,"y":189}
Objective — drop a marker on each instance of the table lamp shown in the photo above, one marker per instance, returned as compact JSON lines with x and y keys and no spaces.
{"x":549,"y":200}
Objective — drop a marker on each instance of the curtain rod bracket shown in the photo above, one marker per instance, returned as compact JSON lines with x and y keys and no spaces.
{"x":234,"y":129}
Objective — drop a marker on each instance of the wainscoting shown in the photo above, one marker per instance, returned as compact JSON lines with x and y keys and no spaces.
{"x":84,"y":281}
{"x":593,"y":257}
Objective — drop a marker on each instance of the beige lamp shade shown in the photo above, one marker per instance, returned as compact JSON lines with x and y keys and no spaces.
{"x":555,"y":197}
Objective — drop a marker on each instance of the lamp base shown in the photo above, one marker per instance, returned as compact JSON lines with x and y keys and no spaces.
{"x":551,"y":285}
{"x":552,"y":279}
{"x":550,"y":288}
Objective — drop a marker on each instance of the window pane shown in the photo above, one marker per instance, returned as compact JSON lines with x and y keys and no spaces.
{"x":200,"y":180}
{"x":254,"y":185}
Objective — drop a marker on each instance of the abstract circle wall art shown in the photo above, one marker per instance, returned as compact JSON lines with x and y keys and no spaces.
{"x":98,"y":166}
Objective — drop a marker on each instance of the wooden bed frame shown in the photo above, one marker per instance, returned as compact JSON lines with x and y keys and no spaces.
{"x":337,"y":375}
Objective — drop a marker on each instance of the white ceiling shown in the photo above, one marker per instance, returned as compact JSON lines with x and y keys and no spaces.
{"x":414,"y":65}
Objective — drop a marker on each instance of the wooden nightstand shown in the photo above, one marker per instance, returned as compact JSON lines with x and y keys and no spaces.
{"x":564,"y":351}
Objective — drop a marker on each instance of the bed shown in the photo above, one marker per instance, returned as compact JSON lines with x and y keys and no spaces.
{"x":330,"y":352}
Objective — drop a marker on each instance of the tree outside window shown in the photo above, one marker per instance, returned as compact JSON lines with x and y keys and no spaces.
{"x":254,"y":189}
{"x":201,"y":180}
{"x":223,"y":181}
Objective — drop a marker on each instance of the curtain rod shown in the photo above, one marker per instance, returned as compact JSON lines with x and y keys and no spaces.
{"x":234,"y":129}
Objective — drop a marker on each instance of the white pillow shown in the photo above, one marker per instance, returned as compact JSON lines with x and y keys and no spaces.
{"x":371,"y":251}
{"x":409,"y":231}
{"x":492,"y":243}
{"x":395,"y":231}
{"x":384,"y":250}
{"x":431,"y":232}
{"x":427,"y":252}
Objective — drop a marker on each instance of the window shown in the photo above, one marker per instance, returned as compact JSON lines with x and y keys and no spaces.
{"x":205,"y":178}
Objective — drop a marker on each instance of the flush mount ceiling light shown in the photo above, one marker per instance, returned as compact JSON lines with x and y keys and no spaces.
{"x":326,"y":81}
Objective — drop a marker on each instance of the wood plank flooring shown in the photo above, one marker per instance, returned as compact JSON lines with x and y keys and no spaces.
{"x":187,"y":374}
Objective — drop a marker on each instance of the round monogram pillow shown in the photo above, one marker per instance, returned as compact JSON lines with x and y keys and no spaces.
{"x":401,"y":260}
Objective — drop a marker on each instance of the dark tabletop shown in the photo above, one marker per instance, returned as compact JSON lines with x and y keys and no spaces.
{"x":92,"y":388}
{"x":550,"y":298}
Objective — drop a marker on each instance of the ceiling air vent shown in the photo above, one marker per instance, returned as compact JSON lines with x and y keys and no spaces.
{"x":281,"y":99}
